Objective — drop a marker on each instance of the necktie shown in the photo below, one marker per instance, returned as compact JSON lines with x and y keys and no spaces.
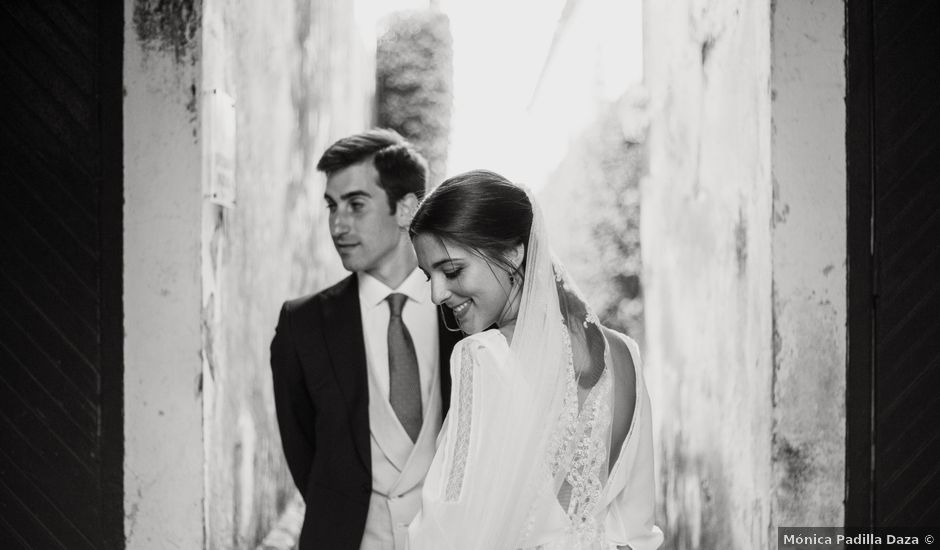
{"x":404,"y":383}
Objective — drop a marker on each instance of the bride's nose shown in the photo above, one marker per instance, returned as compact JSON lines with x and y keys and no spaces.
{"x":439,"y":292}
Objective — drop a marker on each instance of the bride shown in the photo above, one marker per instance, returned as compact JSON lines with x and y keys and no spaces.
{"x":548,"y":442}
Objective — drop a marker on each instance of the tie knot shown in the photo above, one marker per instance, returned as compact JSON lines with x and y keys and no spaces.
{"x":395,"y":303}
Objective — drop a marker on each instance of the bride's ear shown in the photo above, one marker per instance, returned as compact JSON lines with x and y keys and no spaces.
{"x":517,"y":255}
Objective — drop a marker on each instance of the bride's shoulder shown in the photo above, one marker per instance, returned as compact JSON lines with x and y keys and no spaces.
{"x":488,"y":344}
{"x":491,"y":338}
{"x":624,"y":351}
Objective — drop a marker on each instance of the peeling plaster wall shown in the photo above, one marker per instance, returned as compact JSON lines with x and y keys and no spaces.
{"x":163,"y":463}
{"x":743,"y":246}
{"x":204,"y":283}
{"x":706,"y":246}
{"x":301,"y":77}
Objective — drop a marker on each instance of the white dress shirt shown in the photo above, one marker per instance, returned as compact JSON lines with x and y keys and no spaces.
{"x":419,"y":315}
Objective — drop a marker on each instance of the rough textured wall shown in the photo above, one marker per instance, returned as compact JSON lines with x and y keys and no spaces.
{"x":163,"y":463}
{"x":809,"y":270}
{"x":300,"y":79}
{"x":743,"y":239}
{"x":706,"y":242}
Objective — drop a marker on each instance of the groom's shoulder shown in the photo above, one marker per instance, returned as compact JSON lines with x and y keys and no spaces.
{"x":318,"y":299}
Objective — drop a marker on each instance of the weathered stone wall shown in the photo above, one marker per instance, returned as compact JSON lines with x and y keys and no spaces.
{"x":743,"y":250}
{"x":705,"y":236}
{"x":301,"y":78}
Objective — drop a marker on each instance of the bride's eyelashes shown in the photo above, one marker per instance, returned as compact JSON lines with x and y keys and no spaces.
{"x":448,"y":274}
{"x":452,"y":274}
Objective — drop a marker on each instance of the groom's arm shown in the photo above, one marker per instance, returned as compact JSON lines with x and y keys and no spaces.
{"x":295,"y":412}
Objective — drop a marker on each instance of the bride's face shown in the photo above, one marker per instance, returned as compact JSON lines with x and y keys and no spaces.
{"x":474,"y":287}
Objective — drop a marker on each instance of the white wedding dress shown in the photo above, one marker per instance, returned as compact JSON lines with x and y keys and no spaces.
{"x":607,"y":507}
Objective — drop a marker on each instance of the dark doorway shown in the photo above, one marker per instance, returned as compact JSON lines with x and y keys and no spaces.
{"x":61,"y":341}
{"x":893,"y":378}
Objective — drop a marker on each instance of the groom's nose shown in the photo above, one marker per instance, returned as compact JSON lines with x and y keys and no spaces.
{"x":338,"y":225}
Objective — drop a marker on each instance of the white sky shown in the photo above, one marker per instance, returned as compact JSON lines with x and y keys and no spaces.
{"x":500,"y":47}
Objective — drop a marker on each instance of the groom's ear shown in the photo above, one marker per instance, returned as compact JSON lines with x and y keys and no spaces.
{"x":405,"y":209}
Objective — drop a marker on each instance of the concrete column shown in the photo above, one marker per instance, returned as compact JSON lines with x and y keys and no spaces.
{"x":163,"y":464}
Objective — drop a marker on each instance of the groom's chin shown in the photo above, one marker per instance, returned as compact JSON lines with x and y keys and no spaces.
{"x":350,"y":264}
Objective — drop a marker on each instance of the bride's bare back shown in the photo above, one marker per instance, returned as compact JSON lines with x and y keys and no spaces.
{"x":624,"y":392}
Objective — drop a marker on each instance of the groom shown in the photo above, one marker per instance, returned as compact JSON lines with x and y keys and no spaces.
{"x":361,"y":369}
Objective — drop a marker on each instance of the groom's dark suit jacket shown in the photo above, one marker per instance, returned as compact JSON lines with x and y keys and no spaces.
{"x":321,"y":394}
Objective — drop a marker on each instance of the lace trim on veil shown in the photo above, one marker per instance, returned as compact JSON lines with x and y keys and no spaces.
{"x":578,"y":455}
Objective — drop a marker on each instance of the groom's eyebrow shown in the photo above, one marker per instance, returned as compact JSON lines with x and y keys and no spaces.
{"x":349,"y":195}
{"x":357,"y":193}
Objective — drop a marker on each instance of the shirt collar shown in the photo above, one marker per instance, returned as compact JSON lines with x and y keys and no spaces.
{"x":373,"y":292}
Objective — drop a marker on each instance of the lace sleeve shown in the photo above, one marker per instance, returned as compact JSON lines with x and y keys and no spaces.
{"x":457,"y":506}
{"x":461,"y":450}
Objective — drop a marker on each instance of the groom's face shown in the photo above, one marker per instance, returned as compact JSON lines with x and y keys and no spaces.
{"x":365,"y":232}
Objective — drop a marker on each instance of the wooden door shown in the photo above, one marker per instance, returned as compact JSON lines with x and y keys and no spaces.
{"x":894,"y":263}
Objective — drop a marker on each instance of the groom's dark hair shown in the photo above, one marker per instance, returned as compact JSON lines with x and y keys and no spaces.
{"x":401,"y":168}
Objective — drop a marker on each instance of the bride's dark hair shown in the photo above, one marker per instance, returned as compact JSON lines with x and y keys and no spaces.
{"x":480,"y":210}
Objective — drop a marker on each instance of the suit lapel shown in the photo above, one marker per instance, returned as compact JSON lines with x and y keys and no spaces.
{"x":346,"y":345}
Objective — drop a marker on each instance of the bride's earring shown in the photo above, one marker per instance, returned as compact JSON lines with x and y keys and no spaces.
{"x":512,"y":280}
{"x":444,"y":319}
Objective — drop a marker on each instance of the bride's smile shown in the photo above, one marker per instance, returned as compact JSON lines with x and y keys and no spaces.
{"x":461,"y":308}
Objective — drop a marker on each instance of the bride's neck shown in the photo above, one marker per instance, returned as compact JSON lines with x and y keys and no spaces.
{"x":507,"y":318}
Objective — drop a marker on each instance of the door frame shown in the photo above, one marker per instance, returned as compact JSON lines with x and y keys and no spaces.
{"x":111,"y":234}
{"x":861,"y":285}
